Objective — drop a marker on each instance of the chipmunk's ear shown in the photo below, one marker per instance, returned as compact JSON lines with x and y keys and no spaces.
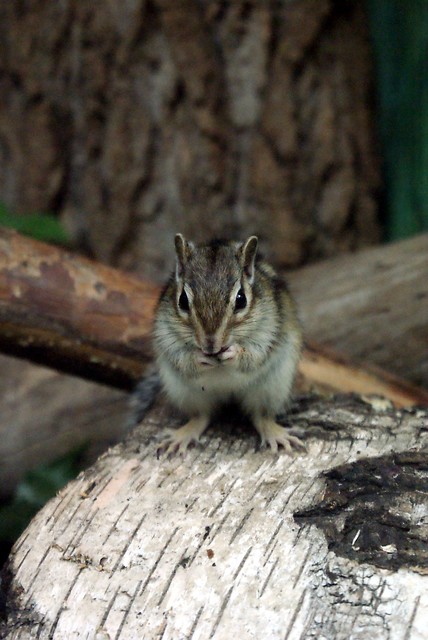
{"x":248,"y":256}
{"x":183,"y":250}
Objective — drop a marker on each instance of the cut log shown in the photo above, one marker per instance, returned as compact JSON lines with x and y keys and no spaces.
{"x":232,"y":541}
{"x":86,"y":318}
{"x":83,"y":317}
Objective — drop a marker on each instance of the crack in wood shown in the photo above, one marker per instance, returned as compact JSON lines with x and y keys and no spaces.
{"x":219,"y":527}
{"x":302,"y":566}
{"x":86,"y":523}
{"x":272,"y":538}
{"x":412,"y":618}
{"x":63,"y":607}
{"x":268,"y":577}
{"x":127,"y":610}
{"x":181,"y":563}
{"x":24,"y":555}
{"x":295,"y":614}
{"x":128,"y":543}
{"x":158,"y":559}
{"x":241,"y":564}
{"x":108,"y":608}
{"x":114,"y":525}
{"x":241,"y":525}
{"x":195,"y":623}
{"x":36,"y":571}
{"x":225,"y":496}
{"x":223,"y":606}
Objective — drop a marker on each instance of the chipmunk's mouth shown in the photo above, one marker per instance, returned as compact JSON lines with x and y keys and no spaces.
{"x":217,"y":353}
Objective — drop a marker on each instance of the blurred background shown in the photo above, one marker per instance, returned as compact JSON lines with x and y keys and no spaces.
{"x":123,"y":122}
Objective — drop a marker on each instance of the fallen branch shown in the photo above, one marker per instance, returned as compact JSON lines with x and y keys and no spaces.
{"x":324,"y":370}
{"x":81,"y":317}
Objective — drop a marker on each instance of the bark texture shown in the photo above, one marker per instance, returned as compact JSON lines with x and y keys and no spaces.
{"x":232,"y":541}
{"x":133,"y":120}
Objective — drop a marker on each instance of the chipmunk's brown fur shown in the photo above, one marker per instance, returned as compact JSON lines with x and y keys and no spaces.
{"x":226,"y":328}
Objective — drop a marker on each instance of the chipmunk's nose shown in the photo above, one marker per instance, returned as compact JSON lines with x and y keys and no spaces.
{"x":212,"y":347}
{"x":209,"y":346}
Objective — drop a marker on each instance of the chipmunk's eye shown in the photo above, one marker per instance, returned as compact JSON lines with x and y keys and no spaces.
{"x":240,"y":300}
{"x":183,"y":302}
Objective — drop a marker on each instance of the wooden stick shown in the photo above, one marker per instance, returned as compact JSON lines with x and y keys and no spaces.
{"x":324,"y":370}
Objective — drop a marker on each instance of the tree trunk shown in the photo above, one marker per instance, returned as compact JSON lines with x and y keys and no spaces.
{"x":232,"y":541}
{"x":135,"y":120}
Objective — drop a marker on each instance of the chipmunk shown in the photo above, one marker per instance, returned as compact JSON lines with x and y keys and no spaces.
{"x":226,"y":329}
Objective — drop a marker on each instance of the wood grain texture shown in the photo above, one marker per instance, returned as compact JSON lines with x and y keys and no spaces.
{"x":206,"y":546}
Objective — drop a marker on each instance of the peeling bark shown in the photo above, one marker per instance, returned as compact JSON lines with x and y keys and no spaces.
{"x":209,"y":545}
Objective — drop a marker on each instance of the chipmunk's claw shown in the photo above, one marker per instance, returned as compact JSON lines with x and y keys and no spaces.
{"x":273,"y":435}
{"x":179,"y":440}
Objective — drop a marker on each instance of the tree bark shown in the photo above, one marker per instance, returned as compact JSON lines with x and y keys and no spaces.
{"x":229,"y":540}
{"x":135,"y":120}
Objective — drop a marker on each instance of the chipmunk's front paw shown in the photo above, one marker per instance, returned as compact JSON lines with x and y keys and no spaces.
{"x":178,"y":440}
{"x":230,"y":353}
{"x":273,"y":435}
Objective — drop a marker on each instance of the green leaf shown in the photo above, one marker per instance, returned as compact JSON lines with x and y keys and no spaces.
{"x":40,"y":226}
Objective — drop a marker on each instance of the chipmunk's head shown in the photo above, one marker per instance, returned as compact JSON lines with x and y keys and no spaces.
{"x":214,"y":289}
